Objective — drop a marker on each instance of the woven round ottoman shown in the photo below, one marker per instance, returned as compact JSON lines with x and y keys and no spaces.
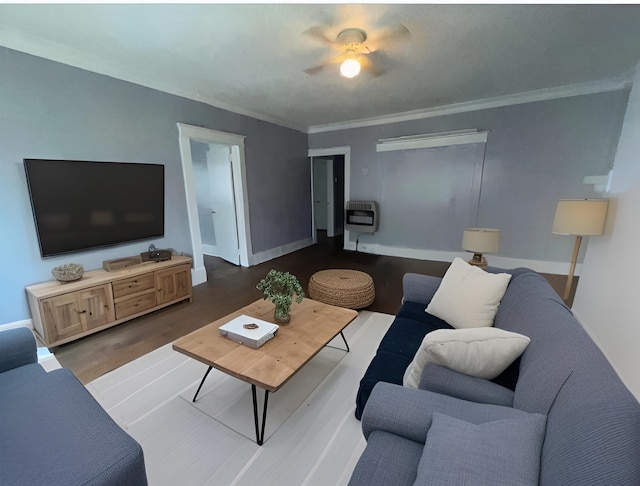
{"x":344,"y":288}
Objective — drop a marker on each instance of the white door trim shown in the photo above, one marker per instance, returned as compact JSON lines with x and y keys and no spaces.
{"x":239,"y":169}
{"x":185,"y":134}
{"x":331,"y":222}
{"x":319,"y":152}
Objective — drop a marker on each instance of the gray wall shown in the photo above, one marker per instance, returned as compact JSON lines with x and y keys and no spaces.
{"x":607,"y":294}
{"x":49,"y":110}
{"x":536,"y":153}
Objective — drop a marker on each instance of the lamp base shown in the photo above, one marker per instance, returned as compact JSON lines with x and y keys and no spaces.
{"x":478,"y":260}
{"x":572,"y":268}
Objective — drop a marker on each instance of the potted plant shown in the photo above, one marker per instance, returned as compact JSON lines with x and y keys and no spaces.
{"x":279,"y":288}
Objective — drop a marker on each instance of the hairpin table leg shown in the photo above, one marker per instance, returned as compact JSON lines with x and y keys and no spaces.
{"x":201,"y":383}
{"x":259,"y":433}
{"x":345,"y":341}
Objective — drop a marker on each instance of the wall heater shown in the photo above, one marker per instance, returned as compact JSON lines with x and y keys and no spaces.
{"x":362,"y":216}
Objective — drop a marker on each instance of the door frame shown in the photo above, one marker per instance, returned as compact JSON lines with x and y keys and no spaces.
{"x":328,"y":193}
{"x":331,"y":221}
{"x":323,"y":152}
{"x":227,"y":159}
{"x":186,"y":133}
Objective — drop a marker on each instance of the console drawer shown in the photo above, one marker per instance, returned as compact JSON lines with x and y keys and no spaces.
{"x":134,"y":305}
{"x":133,"y":285}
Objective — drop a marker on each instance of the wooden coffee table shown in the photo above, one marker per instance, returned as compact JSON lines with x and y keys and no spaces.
{"x":313,"y":324}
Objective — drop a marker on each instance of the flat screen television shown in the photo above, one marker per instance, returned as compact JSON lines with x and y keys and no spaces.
{"x":78,"y":205}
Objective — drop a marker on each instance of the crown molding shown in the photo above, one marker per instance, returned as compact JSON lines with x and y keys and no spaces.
{"x":62,"y":54}
{"x":483,"y":104}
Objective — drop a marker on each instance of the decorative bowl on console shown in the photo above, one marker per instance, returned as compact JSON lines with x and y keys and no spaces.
{"x":69,"y":272}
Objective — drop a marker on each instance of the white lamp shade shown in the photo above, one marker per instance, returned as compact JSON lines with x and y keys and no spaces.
{"x":583,"y":217}
{"x":481,"y":240}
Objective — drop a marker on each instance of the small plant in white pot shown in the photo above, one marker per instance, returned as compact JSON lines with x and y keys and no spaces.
{"x":279,"y":288}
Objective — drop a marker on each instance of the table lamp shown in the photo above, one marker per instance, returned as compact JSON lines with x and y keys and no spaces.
{"x":479,"y":241}
{"x":579,"y":217}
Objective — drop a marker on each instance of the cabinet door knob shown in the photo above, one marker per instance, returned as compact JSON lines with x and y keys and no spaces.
{"x":82,"y":312}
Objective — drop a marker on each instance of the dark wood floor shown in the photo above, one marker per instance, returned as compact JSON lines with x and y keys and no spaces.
{"x":230,"y":287}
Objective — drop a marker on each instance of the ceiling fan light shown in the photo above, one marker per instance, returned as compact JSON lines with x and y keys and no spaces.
{"x":350,"y":68}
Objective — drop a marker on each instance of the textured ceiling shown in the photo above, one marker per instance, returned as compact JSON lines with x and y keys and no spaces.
{"x":251,"y":58}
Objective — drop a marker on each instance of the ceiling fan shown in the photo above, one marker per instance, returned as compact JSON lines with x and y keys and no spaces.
{"x":354,"y":52}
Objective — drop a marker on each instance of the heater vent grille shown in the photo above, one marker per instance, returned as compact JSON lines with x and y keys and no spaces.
{"x":361,"y":205}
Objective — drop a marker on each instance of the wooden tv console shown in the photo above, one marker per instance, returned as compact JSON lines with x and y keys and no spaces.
{"x":63,"y":312}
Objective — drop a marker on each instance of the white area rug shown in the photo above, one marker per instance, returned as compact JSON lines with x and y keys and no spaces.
{"x":311,"y":434}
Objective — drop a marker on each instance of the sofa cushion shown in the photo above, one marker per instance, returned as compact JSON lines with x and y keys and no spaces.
{"x":387,"y":367}
{"x":416,"y":312}
{"x":397,"y":348}
{"x":468,"y":296}
{"x":500,"y":453}
{"x":481,"y":352}
{"x":405,"y":335}
{"x":12,"y":381}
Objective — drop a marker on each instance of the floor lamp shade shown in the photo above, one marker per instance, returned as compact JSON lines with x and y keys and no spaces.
{"x":579,"y":217}
{"x":584,"y":217}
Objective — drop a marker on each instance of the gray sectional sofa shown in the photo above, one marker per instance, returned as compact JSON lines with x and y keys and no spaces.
{"x":52,"y":431}
{"x":581,"y":424}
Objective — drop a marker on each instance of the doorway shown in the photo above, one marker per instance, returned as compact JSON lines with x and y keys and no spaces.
{"x":322,"y":191}
{"x":212,"y":170}
{"x":218,"y":218}
{"x":330,"y":171}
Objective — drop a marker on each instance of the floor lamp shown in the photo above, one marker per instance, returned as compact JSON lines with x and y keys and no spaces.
{"x":579,"y":217}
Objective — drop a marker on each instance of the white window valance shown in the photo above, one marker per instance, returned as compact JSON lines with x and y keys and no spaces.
{"x":431,"y":140}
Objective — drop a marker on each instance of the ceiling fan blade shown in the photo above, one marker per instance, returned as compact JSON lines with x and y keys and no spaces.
{"x":318,"y":33}
{"x":391,"y":34}
{"x":312,"y":71}
{"x":375,"y":63}
{"x":371,"y":68}
{"x":326,"y":62}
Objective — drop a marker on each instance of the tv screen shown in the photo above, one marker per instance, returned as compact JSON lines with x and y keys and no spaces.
{"x":79,"y":205}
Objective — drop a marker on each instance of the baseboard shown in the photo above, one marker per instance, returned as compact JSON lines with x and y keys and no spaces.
{"x":541,"y":266}
{"x":28,"y":323}
{"x":278,"y":251}
{"x":210,"y":250}
{"x":198,"y":276}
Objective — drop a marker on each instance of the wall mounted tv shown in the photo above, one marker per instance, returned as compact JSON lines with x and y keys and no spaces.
{"x":78,"y":205}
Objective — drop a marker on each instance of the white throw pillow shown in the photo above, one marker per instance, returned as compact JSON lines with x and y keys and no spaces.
{"x":468,"y":296}
{"x":484,"y":352}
